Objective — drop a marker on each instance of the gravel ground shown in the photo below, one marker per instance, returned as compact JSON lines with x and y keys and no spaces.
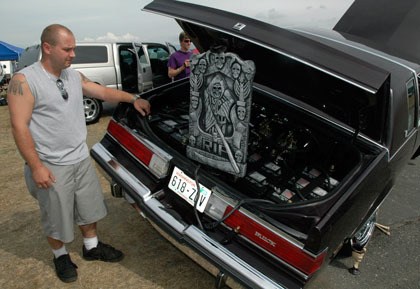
{"x":25,"y":257}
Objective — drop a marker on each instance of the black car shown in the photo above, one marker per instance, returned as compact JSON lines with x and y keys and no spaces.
{"x":331,"y":120}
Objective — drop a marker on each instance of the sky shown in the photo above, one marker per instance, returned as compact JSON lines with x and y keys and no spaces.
{"x":123,"y":20}
{"x":90,"y":20}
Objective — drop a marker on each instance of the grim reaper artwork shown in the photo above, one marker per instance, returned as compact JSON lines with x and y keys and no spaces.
{"x":220,"y":106}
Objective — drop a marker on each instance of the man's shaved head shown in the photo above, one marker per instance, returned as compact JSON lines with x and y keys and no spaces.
{"x":51,"y":32}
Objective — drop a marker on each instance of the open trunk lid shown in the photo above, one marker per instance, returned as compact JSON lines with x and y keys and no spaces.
{"x":268,"y":46}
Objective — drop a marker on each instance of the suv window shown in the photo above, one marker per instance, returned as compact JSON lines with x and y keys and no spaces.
{"x":91,"y":54}
{"x":126,"y":57}
{"x":158,"y":53}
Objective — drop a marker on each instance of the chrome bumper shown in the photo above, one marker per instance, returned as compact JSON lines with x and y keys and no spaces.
{"x":216,"y":252}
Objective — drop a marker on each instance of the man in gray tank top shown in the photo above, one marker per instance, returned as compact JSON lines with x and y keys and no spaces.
{"x":48,"y":124}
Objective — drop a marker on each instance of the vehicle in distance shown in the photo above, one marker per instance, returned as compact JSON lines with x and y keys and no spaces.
{"x":332,"y":123}
{"x":128,"y":66}
{"x":2,"y":74}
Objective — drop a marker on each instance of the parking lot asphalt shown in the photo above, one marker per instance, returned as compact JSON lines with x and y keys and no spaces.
{"x":391,"y":262}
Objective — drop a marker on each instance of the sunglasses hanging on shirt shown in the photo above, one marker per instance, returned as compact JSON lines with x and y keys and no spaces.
{"x":63,"y":91}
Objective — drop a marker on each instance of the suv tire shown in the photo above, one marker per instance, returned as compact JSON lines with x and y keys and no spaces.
{"x":93,"y":109}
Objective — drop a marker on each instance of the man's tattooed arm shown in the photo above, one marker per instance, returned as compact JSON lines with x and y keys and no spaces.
{"x":15,"y":87}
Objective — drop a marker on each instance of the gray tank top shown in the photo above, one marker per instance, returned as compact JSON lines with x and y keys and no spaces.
{"x":57,"y":125}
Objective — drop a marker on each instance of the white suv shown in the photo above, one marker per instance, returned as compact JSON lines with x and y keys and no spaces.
{"x":132,"y":67}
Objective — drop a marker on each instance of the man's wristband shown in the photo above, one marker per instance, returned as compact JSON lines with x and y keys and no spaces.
{"x":135,"y":97}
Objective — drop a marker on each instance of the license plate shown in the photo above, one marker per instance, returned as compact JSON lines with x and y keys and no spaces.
{"x":185,"y":187}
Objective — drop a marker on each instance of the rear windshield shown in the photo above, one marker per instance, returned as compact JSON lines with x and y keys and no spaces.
{"x":91,"y":54}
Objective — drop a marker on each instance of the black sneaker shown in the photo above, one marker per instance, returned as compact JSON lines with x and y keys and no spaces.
{"x":65,"y":268}
{"x":103,"y":252}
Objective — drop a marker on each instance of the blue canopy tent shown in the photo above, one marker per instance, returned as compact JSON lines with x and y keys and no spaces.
{"x":9,"y":52}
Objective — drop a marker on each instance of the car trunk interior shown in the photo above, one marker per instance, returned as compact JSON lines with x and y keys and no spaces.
{"x":304,"y":134}
{"x":295,"y":161}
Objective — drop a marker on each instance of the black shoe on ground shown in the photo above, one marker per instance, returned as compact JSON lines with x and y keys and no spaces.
{"x":103,"y":252}
{"x":65,"y":268}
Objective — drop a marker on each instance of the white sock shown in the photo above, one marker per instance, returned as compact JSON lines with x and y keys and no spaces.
{"x":59,"y":252}
{"x":90,"y":242}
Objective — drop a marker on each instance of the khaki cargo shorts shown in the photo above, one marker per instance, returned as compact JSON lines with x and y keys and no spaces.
{"x":75,"y":197}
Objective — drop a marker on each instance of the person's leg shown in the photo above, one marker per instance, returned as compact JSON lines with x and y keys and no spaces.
{"x":90,"y":239}
{"x":58,"y":248}
{"x":55,"y":244}
{"x":57,"y":218}
{"x":88,"y":231}
{"x":64,"y":267}
{"x":89,"y":209}
{"x":96,"y":250}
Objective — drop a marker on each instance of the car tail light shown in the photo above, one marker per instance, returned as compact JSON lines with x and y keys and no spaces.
{"x":156,"y":160}
{"x":286,"y":250}
{"x":216,"y":207}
